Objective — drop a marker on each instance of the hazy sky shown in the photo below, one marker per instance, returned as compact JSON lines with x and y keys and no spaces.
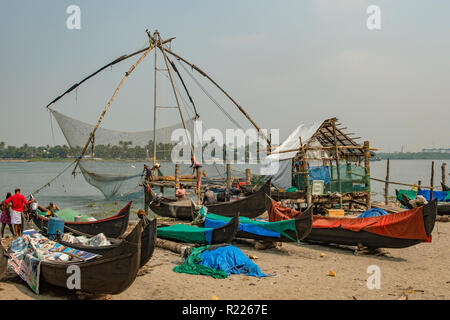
{"x":286,"y":62}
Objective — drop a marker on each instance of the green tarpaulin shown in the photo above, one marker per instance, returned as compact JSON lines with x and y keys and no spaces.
{"x":412,"y":194}
{"x":192,"y":265}
{"x":185,"y":233}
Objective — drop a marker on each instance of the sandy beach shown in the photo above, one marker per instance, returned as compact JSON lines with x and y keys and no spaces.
{"x":301,"y":272}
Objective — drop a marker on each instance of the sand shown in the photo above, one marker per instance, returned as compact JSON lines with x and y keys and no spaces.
{"x":301,"y":272}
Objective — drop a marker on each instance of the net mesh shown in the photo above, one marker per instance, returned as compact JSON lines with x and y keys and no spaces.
{"x":119,"y":178}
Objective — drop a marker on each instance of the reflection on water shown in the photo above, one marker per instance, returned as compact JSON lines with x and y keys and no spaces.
{"x":75,"y":193}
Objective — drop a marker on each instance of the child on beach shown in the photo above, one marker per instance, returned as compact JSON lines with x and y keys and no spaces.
{"x":5,"y":218}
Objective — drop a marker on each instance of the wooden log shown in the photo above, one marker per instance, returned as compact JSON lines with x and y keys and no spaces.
{"x":386,"y":184}
{"x":172,"y":246}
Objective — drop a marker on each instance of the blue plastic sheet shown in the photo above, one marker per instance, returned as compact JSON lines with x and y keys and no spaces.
{"x":208,"y":235}
{"x":374,"y":212}
{"x":230,"y":260}
{"x":439,"y":195}
{"x":213,"y":223}
{"x":320,"y":173}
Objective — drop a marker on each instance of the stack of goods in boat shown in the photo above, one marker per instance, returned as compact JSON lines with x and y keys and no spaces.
{"x":36,"y":258}
{"x":100,"y":244}
{"x":113,"y":227}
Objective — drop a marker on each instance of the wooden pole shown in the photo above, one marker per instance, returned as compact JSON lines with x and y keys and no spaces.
{"x":338,"y":169}
{"x":443,"y":172}
{"x":154,"y":116}
{"x":305,"y":174}
{"x":177,"y":175}
{"x":248,"y":177}
{"x":175,"y":92}
{"x":432,"y":180}
{"x":199,"y":184}
{"x":228,"y":176}
{"x":386,"y":184}
{"x":367,"y":167}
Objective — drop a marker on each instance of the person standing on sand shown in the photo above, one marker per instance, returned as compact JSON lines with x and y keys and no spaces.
{"x":5,"y":217}
{"x":18,"y":200}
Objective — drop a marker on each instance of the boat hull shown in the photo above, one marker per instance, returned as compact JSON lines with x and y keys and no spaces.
{"x":112,"y":273}
{"x":112,"y":227}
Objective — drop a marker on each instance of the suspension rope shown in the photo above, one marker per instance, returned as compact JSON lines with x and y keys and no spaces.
{"x":210,"y":97}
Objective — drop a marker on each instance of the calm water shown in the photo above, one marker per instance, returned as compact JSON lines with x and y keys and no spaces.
{"x":75,"y":193}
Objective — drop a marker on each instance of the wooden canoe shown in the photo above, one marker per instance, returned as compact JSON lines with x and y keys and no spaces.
{"x":303,"y":225}
{"x":147,"y":242}
{"x":443,"y":208}
{"x":3,"y":261}
{"x":344,"y":236}
{"x":251,"y":206}
{"x":111,"y":273}
{"x":112,"y":227}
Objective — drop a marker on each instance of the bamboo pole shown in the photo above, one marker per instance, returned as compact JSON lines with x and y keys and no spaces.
{"x":228,"y":176}
{"x":336,"y":150}
{"x":177,"y":175}
{"x":367,"y":167}
{"x":120,"y":59}
{"x":432,"y":180}
{"x":175,"y":92}
{"x":91,"y":136}
{"x":305,"y":174}
{"x":386,"y":184}
{"x":326,"y":147}
{"x":248,"y":177}
{"x":154,"y":115}
{"x":223,"y":91}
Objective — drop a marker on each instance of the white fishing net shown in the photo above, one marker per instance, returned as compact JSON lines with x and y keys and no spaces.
{"x":114,"y":161}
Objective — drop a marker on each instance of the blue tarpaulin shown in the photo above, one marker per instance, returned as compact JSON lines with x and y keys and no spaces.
{"x":320,"y":173}
{"x":439,"y":195}
{"x":230,"y":260}
{"x":374,"y":212}
{"x":213,"y":223}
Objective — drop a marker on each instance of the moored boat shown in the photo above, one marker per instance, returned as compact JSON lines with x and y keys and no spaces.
{"x":148,"y":240}
{"x":397,"y":230}
{"x":201,"y":235}
{"x":112,"y":227}
{"x":111,"y":273}
{"x":250,"y":206}
{"x":291,"y":230}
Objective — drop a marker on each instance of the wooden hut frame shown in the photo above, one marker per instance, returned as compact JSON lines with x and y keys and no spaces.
{"x":336,"y":146}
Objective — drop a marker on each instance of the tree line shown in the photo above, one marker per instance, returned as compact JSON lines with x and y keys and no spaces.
{"x":124,"y":151}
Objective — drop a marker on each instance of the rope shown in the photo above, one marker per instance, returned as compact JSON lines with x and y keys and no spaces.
{"x":210,"y":97}
{"x":57,"y":176}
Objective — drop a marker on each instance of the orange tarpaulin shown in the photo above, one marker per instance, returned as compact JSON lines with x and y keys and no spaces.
{"x":278,"y":212}
{"x":403,"y":225}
